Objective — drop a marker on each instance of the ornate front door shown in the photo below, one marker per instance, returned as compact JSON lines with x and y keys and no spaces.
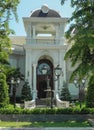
{"x":42,"y":79}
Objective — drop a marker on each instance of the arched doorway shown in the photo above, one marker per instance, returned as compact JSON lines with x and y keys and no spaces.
{"x":42,"y":79}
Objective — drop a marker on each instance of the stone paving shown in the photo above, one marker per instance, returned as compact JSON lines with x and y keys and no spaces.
{"x":53,"y":128}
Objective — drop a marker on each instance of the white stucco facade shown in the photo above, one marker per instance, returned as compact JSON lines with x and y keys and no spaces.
{"x":44,"y":44}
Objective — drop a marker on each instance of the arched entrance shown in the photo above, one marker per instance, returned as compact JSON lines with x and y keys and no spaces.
{"x":42,"y":79}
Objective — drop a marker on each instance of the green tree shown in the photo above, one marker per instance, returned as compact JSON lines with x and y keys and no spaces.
{"x":4,"y":98}
{"x":82,"y":40}
{"x":7,"y":8}
{"x":65,"y":94}
{"x":26,"y":92}
{"x":14,"y":72}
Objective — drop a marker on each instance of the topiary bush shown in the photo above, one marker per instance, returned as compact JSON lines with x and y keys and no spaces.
{"x":65,"y":94}
{"x":26,"y":92}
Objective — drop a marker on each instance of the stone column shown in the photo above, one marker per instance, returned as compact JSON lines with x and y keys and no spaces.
{"x":28,"y":65}
{"x":61,"y":33}
{"x":28,"y":68}
{"x":34,"y":32}
{"x":29,"y":34}
{"x":34,"y":82}
{"x":55,"y":83}
{"x":64,"y":71}
{"x":57,"y":34}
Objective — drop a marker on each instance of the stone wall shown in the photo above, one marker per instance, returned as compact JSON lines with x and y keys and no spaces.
{"x":44,"y":117}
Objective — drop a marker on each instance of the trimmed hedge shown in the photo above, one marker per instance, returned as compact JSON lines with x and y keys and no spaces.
{"x":47,"y":111}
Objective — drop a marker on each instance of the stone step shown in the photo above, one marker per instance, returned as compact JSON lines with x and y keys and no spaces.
{"x":40,"y":102}
{"x":44,"y":102}
{"x":41,"y":106}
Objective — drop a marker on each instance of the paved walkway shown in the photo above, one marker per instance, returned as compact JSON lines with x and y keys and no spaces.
{"x":53,"y":128}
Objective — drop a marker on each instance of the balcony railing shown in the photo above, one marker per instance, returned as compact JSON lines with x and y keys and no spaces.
{"x":44,"y":41}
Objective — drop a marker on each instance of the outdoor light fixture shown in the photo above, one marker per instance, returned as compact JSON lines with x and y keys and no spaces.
{"x":83,"y":81}
{"x":44,"y":69}
{"x":80,"y":85}
{"x":15,"y":83}
{"x":58,"y":71}
{"x":75,"y":82}
{"x":12,"y":80}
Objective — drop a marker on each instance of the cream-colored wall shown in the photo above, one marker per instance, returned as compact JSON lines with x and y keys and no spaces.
{"x":18,"y":61}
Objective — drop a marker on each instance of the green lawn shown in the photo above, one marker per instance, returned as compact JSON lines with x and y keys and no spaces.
{"x":45,"y":124}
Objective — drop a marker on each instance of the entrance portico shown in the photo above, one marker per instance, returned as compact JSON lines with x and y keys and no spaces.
{"x":36,"y":58}
{"x":44,"y":46}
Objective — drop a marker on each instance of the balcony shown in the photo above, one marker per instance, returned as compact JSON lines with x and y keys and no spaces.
{"x":45,"y":41}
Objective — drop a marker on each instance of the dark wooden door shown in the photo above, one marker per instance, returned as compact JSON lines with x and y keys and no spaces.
{"x":42,"y":79}
{"x":41,"y":86}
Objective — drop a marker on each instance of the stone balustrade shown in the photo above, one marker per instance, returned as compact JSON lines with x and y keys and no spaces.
{"x":29,"y":104}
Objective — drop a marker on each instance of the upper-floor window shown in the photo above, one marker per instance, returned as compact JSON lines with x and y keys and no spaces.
{"x":44,"y":35}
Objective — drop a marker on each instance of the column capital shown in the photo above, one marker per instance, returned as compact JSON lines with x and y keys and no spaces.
{"x":34,"y":65}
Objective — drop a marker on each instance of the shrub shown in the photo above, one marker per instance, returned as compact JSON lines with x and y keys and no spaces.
{"x":4,"y":96}
{"x":65,"y":94}
{"x":26,"y":92}
{"x":47,"y":111}
{"x":90,"y":96}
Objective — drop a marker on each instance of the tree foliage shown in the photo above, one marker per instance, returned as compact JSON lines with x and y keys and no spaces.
{"x":4,"y":98}
{"x":65,"y":94}
{"x":14,"y":72}
{"x":26,"y":92}
{"x":90,"y":97}
{"x":82,"y":50}
{"x":7,"y":9}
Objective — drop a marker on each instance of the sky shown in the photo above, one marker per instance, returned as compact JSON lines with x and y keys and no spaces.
{"x":26,"y":6}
